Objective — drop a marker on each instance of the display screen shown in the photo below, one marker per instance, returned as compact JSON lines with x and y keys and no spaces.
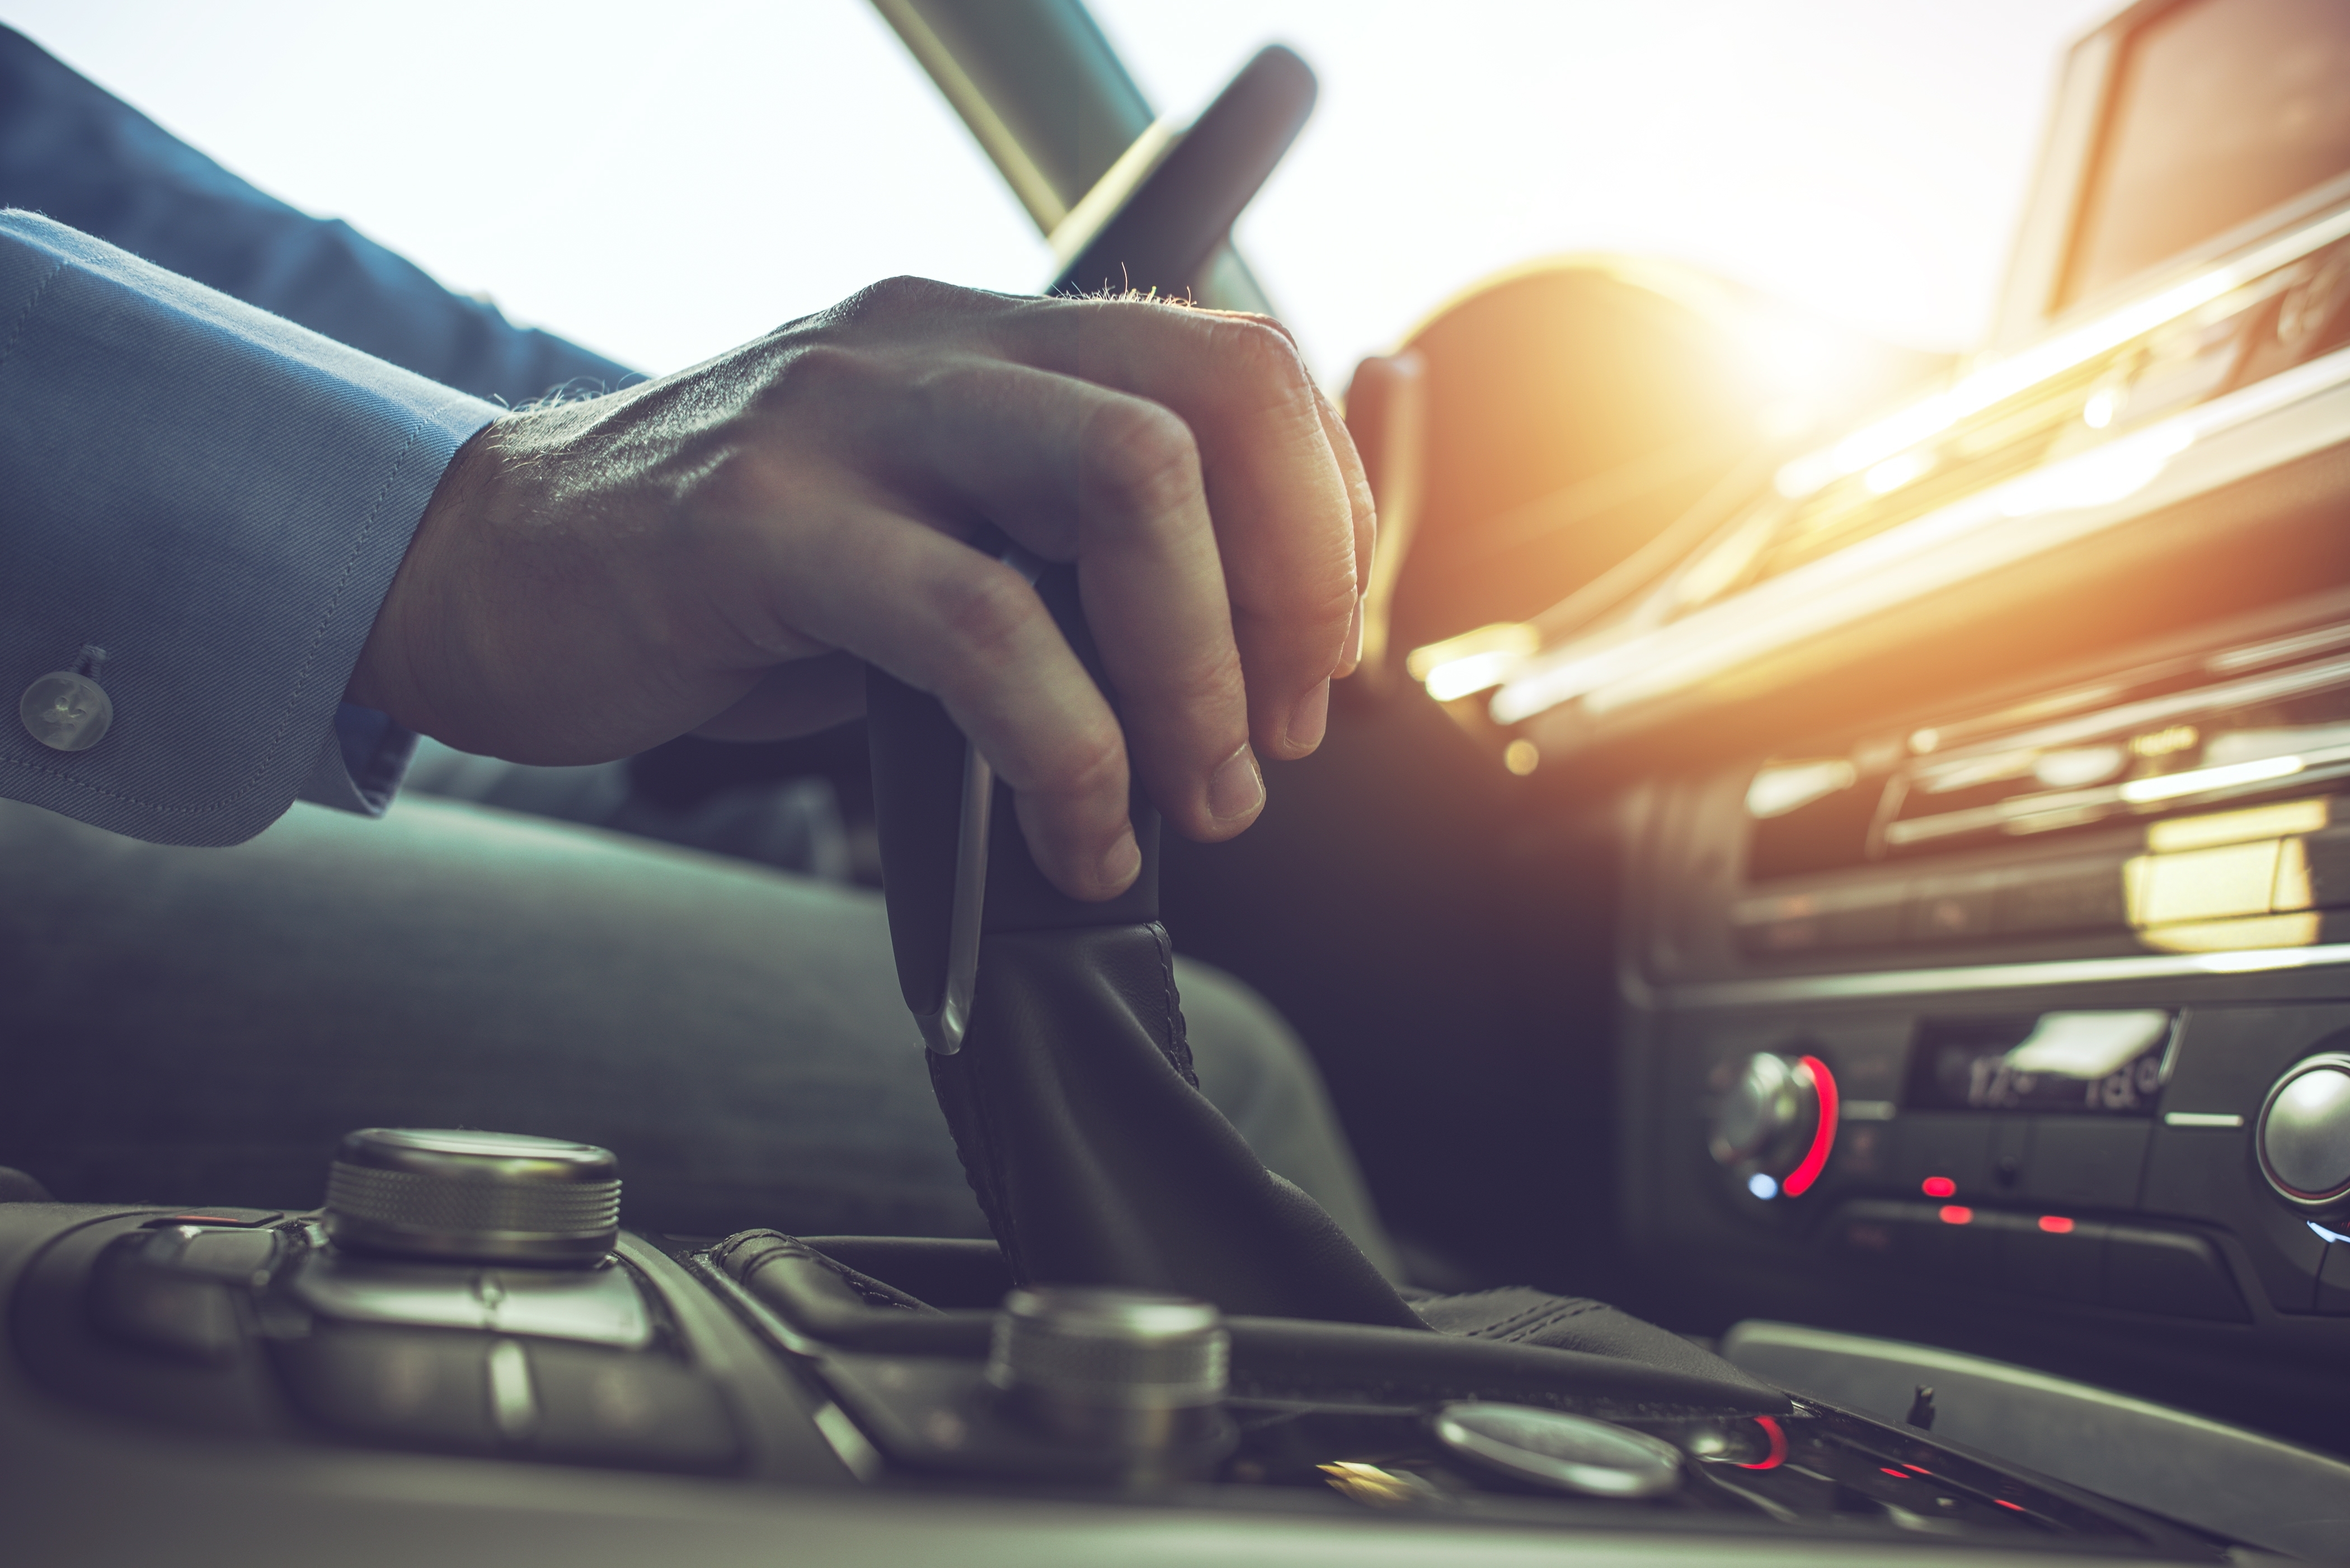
{"x":2075,"y":1063}
{"x":2220,"y":109}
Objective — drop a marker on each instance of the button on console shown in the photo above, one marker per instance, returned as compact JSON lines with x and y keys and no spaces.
{"x":400,"y":1386}
{"x":603,"y":1407}
{"x":2303,"y":1133}
{"x":2171,"y":1272}
{"x":171,"y":1288}
{"x":2334,"y":1278}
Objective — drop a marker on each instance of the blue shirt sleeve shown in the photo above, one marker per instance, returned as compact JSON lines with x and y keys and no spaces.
{"x":74,"y":151}
{"x":217,"y":498}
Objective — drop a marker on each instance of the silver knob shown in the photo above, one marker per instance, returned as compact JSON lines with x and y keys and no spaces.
{"x":1561,"y":1452}
{"x":1768,"y":1116}
{"x":2303,"y":1134}
{"x":1123,"y":1367}
{"x":471,"y":1197}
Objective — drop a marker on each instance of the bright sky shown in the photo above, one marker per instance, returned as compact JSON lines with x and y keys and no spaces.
{"x":660,"y":182}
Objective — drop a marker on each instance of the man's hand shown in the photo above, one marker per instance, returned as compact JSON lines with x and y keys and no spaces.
{"x":715,"y":551}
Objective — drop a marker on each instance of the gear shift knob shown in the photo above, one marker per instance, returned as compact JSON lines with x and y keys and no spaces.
{"x":1069,"y":1085}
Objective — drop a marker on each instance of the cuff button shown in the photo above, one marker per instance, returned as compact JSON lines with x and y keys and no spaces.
{"x":64,"y":712}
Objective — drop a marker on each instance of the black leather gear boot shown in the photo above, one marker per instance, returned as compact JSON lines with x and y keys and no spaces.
{"x":1069,"y":1087}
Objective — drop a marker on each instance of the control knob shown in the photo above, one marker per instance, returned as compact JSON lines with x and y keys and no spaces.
{"x":1130,"y":1369}
{"x":2303,"y":1138}
{"x":472,"y":1197}
{"x":1774,"y":1126}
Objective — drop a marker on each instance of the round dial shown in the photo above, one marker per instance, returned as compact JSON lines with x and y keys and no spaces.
{"x":1776,"y":1124}
{"x":465,"y":1196}
{"x":1131,"y":1369}
{"x":2303,"y":1134}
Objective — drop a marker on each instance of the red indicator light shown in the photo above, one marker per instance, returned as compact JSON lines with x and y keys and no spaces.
{"x":1917,"y":1469}
{"x":1816,"y":1159}
{"x":1778,"y":1454}
{"x":2055,"y":1225}
{"x":1957,"y":1214}
{"x":2004,"y":1503}
{"x":1897,"y":1475}
{"x":1939,"y":1187}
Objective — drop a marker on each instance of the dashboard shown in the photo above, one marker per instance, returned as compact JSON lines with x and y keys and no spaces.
{"x":1982,"y":964}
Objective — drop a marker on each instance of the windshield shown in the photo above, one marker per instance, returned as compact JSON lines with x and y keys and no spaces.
{"x":661,"y":184}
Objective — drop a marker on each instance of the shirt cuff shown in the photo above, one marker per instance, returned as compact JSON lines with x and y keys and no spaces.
{"x":362,"y":763}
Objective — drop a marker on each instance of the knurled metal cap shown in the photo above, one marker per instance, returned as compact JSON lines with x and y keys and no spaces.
{"x":464,"y":1195}
{"x":1128,"y":1366}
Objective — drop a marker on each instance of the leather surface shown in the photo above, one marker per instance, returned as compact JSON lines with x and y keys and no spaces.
{"x":1097,"y":1161}
{"x":1518,"y":1315}
{"x":1073,"y":1104}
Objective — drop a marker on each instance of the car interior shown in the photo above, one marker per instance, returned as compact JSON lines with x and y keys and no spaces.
{"x":1827,"y":941}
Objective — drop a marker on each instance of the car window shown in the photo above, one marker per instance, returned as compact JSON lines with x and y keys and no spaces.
{"x":657,"y":183}
{"x":1864,"y":160}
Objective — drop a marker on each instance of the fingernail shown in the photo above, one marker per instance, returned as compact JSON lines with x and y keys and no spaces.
{"x":1119,"y":867}
{"x":1310,"y":718}
{"x":1354,"y":638}
{"x":1236,"y":789}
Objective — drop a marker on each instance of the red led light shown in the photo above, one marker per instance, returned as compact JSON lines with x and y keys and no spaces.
{"x":1897,"y":1475}
{"x":2055,"y":1225}
{"x":1957,"y":1214}
{"x":1816,"y":1159}
{"x":2004,"y":1503}
{"x":1778,"y":1454}
{"x":1939,"y":1187}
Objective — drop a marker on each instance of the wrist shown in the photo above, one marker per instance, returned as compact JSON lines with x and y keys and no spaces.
{"x":387,"y":676}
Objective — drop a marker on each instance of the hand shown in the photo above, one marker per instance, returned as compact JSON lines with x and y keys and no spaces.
{"x":715,"y":551}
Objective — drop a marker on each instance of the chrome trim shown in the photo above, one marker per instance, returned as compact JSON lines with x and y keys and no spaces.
{"x":1704,"y":995}
{"x":2015,"y":374}
{"x":601,"y":1305}
{"x":764,"y":1318}
{"x":841,"y":1433}
{"x":942,"y":1031}
{"x":2190,"y":453}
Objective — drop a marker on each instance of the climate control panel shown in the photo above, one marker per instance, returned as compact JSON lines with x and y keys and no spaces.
{"x":2125,"y":1169}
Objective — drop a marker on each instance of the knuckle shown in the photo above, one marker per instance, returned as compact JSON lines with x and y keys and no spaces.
{"x":1266,"y":354}
{"x":742,"y":481}
{"x":985,"y":614}
{"x":903,"y":293}
{"x":1091,"y":762}
{"x":1208,"y":686}
{"x":1270,"y":323}
{"x":1145,"y":462}
{"x":897,"y":301}
{"x":815,"y":372}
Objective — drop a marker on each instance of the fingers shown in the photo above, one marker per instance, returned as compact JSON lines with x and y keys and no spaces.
{"x":796,"y":699}
{"x":943,"y":618}
{"x":1282,"y":498}
{"x":1077,"y":472}
{"x":1364,"y":517}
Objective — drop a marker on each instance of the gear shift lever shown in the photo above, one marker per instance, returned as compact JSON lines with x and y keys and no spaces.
{"x":1057,"y":1047}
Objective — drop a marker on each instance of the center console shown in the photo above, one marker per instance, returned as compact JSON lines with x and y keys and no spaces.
{"x":464,"y":1327}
